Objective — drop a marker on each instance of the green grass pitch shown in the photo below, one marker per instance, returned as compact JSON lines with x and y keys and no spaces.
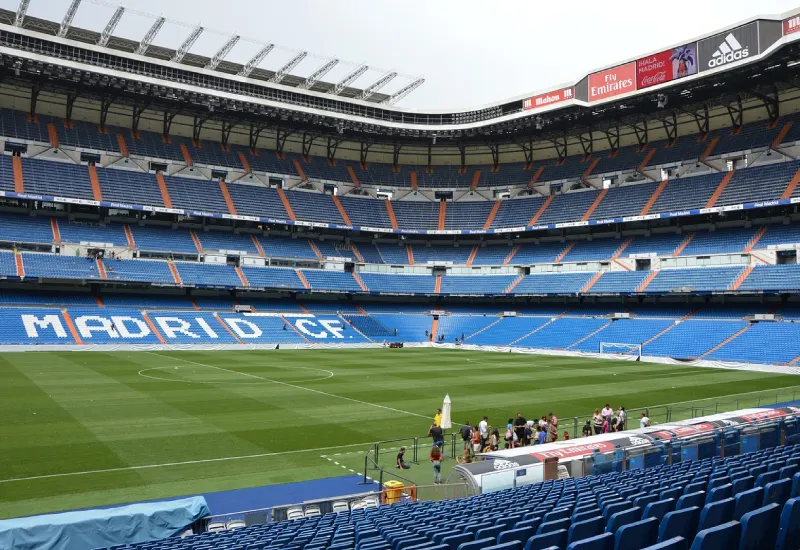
{"x":91,"y":429}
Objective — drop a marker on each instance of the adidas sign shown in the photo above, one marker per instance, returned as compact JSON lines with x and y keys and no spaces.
{"x":729,"y":51}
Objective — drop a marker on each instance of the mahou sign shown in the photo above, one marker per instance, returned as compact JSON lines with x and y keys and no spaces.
{"x":612,"y":82}
{"x":542,"y":100}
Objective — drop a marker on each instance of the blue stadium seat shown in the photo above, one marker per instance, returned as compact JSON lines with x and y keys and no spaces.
{"x":677,"y":543}
{"x":587,"y":528}
{"x":553,"y":538}
{"x":603,"y":541}
{"x":680,"y":523}
{"x":634,"y":535}
{"x":716,"y":513}
{"x":789,"y":527}
{"x":760,"y":528}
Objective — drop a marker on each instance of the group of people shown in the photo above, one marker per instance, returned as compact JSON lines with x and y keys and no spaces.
{"x":607,"y":420}
{"x":519,"y":432}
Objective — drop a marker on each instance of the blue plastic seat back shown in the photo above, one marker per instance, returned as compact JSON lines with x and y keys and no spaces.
{"x":777,"y":492}
{"x":587,"y":514}
{"x":546,"y":540}
{"x":695,"y":487}
{"x":719,"y":492}
{"x":603,"y":541}
{"x":676,"y":543}
{"x":611,"y":509}
{"x":622,"y":518}
{"x":637,"y":534}
{"x":716,"y":513}
{"x":521,"y":534}
{"x":766,"y":477}
{"x":718,"y":482}
{"x":692,"y":499}
{"x":586,"y":529}
{"x":438,"y":537}
{"x":489,"y":532}
{"x":671,"y":493}
{"x":549,"y":526}
{"x":454,"y":541}
{"x":760,"y":528}
{"x":789,"y":526}
{"x":559,"y":513}
{"x":787,"y":472}
{"x":533,"y":523}
{"x":743,"y":484}
{"x":724,"y":536}
{"x":643,"y":501}
{"x":747,"y":501}
{"x":659,"y":509}
{"x":513,"y":545}
{"x":476,"y":544}
{"x":757,"y":471}
{"x":680,"y":523}
{"x":795,"y":485}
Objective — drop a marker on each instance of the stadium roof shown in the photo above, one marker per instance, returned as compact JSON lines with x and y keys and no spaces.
{"x":93,"y":37}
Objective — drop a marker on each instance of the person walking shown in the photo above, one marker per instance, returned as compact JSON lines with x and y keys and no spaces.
{"x":476,"y":441}
{"x":437,"y":434}
{"x":436,"y":460}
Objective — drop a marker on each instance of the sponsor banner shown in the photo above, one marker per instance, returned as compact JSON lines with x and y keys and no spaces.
{"x":612,"y":82}
{"x":666,"y":66}
{"x":791,"y":25}
{"x":729,"y":47}
{"x":543,"y":100}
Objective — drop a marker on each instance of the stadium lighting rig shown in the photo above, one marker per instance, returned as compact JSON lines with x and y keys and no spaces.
{"x":22,"y":9}
{"x":181,"y":52}
{"x":318,"y":74}
{"x":349,"y":79}
{"x":403,"y":92}
{"x":68,"y":17}
{"x":110,"y":26}
{"x":291,"y":64}
{"x":150,"y":36}
{"x":377,"y":85}
{"x":256,"y":60}
{"x":223,"y":51}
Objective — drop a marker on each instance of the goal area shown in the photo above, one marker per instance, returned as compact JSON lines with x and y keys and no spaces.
{"x":615,"y":348}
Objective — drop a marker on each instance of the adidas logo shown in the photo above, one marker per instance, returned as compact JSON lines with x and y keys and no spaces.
{"x":729,"y":51}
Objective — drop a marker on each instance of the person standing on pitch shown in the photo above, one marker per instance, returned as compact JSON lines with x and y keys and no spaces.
{"x":644,"y":422}
{"x":466,"y":434}
{"x":483,"y":427}
{"x":436,"y":460}
{"x":519,"y":426}
{"x":437,"y":434}
{"x":437,"y":418}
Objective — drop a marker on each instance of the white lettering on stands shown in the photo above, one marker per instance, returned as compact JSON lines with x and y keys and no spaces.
{"x":121,"y":324}
{"x":89,"y":324}
{"x":301,"y":325}
{"x":32,"y":323}
{"x":172,"y":326}
{"x":236,"y":325}
{"x":334,"y":326}
{"x":207,"y":329}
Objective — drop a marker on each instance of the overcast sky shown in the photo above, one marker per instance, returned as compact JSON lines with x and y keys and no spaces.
{"x":470,"y":52}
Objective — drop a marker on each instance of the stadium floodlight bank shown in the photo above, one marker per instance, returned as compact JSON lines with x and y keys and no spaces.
{"x":615,"y":348}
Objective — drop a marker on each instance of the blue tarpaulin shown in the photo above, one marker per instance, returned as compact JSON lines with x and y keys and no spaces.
{"x":88,"y":529}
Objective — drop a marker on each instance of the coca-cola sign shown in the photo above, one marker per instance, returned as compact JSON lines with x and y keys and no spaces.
{"x":666,"y":66}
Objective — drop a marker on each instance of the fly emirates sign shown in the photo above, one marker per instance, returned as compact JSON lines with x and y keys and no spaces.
{"x":612,"y":82}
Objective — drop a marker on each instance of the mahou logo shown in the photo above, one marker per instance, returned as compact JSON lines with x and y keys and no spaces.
{"x":729,"y":50}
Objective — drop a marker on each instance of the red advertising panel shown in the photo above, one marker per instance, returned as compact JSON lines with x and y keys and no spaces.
{"x":543,"y":100}
{"x":792,"y":25}
{"x":612,"y":82}
{"x":576,"y":450}
{"x":666,"y":66}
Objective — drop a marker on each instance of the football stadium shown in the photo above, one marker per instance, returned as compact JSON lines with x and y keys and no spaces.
{"x":246,"y":305}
